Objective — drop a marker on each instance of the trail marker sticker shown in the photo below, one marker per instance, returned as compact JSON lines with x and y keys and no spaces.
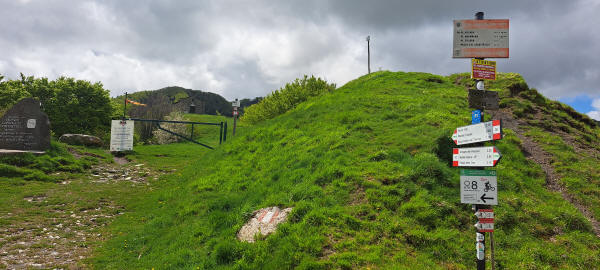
{"x":479,"y":187}
{"x":483,"y":69}
{"x":481,"y":132}
{"x":476,"y":117}
{"x":121,"y":135}
{"x":480,"y":39}
{"x":475,"y":157}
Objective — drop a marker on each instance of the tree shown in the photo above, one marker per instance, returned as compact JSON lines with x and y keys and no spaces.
{"x":78,"y":107}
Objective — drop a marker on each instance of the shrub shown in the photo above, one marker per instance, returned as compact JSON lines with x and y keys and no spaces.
{"x":163,"y":137}
{"x":286,"y":98}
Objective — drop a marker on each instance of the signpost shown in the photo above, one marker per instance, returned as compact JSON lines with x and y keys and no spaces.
{"x":236,"y":105}
{"x":483,"y":69}
{"x":480,"y":39}
{"x":475,"y":157}
{"x":481,"y":132}
{"x":121,"y":135}
{"x":478,"y":187}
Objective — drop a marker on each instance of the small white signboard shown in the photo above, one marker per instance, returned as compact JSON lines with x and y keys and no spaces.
{"x":485,"y":227}
{"x":481,"y":132}
{"x":235,"y":103}
{"x":478,"y":187}
{"x":121,"y":135}
{"x":485,"y":214}
{"x":475,"y":157}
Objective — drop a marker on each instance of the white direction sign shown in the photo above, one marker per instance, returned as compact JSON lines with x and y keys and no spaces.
{"x":480,"y":38}
{"x":475,"y":157}
{"x":478,"y":187}
{"x":485,"y":214}
{"x":235,"y":103}
{"x":121,"y":135}
{"x":481,"y":132}
{"x":484,"y":227}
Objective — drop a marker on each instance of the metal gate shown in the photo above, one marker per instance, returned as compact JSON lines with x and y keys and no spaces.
{"x":222,"y":132}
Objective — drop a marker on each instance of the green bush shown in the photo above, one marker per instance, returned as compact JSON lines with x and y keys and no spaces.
{"x":286,"y":98}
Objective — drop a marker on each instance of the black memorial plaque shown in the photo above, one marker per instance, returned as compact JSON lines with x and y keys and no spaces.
{"x":483,"y":99}
{"x":25,"y":127}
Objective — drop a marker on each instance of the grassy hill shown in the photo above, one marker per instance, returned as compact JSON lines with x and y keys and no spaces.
{"x":181,"y":98}
{"x":366,"y":169}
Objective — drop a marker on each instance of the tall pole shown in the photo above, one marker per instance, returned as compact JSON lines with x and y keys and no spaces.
{"x":480,"y":237}
{"x":369,"y":53}
{"x":125,"y":108}
{"x":235,"y":116}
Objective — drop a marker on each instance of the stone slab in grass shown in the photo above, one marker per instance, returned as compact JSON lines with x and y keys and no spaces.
{"x":264,"y":222}
{"x":81,"y":139}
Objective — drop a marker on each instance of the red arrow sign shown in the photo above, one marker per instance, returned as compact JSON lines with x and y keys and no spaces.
{"x":481,"y":132}
{"x":485,"y":226}
{"x":485,"y":215}
{"x":475,"y":157}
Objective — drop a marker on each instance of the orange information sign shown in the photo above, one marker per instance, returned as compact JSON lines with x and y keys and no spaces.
{"x":483,"y":69}
{"x":480,"y":39}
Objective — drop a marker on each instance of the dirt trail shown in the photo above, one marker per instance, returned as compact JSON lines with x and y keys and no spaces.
{"x":59,"y":236}
{"x":534,"y":152}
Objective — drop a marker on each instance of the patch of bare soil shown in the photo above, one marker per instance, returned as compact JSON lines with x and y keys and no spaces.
{"x":122,"y":172}
{"x":534,"y":152}
{"x":49,"y":236}
{"x":57,"y":240}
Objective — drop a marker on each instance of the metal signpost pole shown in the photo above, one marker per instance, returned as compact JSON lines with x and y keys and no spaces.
{"x":480,"y":236}
{"x":369,"y":53}
{"x":125,"y":108}
{"x":235,"y":115}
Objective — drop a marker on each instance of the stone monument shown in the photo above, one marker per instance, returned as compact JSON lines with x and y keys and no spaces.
{"x":25,"y":127}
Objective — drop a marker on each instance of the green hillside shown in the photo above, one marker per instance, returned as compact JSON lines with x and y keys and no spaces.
{"x":180,"y":98}
{"x":366,"y":168}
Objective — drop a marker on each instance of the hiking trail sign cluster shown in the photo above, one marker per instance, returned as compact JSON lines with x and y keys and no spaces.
{"x":480,"y":39}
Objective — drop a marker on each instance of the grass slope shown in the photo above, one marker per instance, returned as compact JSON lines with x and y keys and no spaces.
{"x":366,"y":169}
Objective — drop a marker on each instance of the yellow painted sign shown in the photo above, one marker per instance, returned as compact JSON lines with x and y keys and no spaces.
{"x":483,"y":69}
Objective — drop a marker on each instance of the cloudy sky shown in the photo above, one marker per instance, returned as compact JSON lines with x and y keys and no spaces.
{"x":245,"y":49}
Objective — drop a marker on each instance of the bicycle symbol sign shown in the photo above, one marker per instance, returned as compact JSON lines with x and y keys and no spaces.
{"x":478,"y":187}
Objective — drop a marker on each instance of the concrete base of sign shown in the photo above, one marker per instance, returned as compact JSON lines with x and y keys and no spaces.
{"x":264,"y":222}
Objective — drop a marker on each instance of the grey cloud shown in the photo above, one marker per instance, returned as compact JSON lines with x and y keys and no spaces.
{"x":249,"y":48}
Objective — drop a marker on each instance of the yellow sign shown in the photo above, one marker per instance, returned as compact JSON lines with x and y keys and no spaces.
{"x":483,"y":69}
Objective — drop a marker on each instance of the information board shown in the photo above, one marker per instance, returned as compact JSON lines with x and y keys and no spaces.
{"x":480,"y":39}
{"x":478,"y":187}
{"x":121,"y":135}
